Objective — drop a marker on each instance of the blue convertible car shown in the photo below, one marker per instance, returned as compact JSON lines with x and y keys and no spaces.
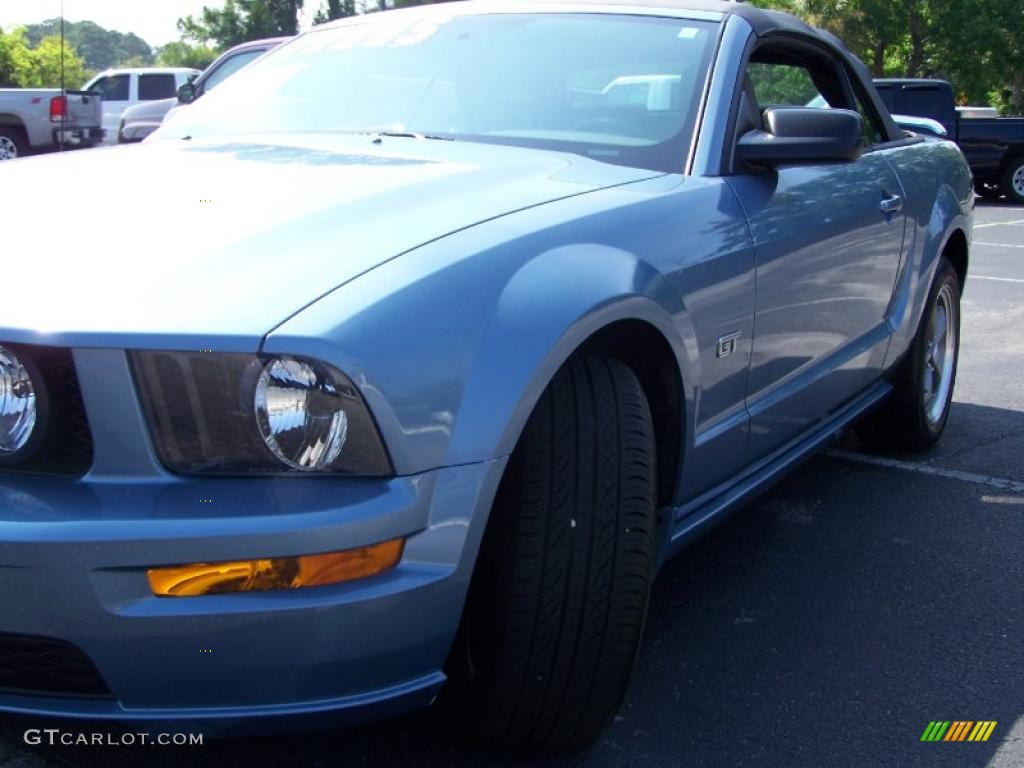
{"x":470,"y":317}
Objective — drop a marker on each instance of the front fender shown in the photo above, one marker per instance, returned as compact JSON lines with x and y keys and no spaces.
{"x":539,"y":322}
{"x":452,"y":344}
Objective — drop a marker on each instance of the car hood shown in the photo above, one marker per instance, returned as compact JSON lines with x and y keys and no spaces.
{"x":212,"y":244}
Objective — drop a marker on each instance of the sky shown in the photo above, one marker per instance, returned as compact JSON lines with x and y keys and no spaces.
{"x":153,"y":20}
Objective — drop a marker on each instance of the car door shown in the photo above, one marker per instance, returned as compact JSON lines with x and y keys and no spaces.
{"x":828,"y":240}
{"x":116,"y":92}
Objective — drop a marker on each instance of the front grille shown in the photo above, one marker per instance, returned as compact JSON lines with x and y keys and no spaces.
{"x":42,"y":666}
{"x":66,"y":448}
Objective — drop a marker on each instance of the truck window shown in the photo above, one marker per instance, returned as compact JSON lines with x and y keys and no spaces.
{"x":153,"y":87}
{"x":926,"y":102}
{"x":113,"y":87}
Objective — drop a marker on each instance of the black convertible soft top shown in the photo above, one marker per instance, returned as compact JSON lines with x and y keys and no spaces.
{"x":767,"y":24}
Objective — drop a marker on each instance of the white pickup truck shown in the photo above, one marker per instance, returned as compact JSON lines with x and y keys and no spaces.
{"x":43,"y":119}
{"x":122,"y":88}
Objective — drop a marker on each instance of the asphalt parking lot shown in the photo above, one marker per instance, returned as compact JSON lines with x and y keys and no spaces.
{"x":824,"y":625}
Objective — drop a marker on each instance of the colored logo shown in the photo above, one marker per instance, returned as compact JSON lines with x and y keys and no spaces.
{"x":958,"y":730}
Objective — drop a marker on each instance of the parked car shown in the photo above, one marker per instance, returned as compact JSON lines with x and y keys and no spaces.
{"x":122,"y":88}
{"x":141,"y":120}
{"x":994,"y":146}
{"x":44,"y":119}
{"x":450,"y":352}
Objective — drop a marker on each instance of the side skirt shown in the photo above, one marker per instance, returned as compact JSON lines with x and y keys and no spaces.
{"x":691,"y":520}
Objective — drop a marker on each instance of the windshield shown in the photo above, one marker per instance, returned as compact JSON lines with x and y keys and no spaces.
{"x":621,"y":89}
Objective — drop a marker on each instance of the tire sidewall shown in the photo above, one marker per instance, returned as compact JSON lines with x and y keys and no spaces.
{"x":15,"y":139}
{"x":944,"y":275}
{"x":1015,"y":165}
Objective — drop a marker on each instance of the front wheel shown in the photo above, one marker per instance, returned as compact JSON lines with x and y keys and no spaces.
{"x":559,"y":597}
{"x":1013,"y":180}
{"x":915,"y":414}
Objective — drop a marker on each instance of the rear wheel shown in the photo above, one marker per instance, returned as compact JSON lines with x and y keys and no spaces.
{"x":914,"y":416}
{"x":1013,"y":180}
{"x":558,"y":601}
{"x":11,"y":144}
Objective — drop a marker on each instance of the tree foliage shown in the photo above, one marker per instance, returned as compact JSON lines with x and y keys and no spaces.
{"x":336,"y":9}
{"x":239,"y":21}
{"x":99,"y":48}
{"x":25,"y":66}
{"x":182,"y":54}
{"x":978,"y":45}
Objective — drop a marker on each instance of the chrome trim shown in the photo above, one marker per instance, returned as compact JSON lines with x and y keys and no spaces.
{"x":727,"y":344}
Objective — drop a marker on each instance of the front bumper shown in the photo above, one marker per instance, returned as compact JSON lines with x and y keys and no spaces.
{"x":74,"y":555}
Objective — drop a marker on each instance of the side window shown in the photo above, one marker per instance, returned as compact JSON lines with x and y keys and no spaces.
{"x":228,"y":68}
{"x":152,"y":87}
{"x":785,"y":85}
{"x":112,"y":87}
{"x":873,"y":132}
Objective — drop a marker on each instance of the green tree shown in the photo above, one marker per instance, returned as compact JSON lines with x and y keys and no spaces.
{"x":182,"y":54}
{"x":335,"y":9}
{"x":99,"y":48}
{"x":15,"y":59}
{"x":22,"y":66}
{"x":959,"y":40}
{"x":48,"y":64}
{"x":242,"y":20}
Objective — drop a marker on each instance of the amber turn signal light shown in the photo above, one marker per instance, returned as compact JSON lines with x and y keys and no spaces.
{"x":275,"y":573}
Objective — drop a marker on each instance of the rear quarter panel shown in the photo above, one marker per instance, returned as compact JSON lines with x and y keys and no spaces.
{"x":939,"y":192}
{"x":31,"y":110}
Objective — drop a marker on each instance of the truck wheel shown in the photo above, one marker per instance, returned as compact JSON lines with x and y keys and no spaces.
{"x":1013,"y":180}
{"x":559,"y":598}
{"x":914,"y":416}
{"x":11,"y":145}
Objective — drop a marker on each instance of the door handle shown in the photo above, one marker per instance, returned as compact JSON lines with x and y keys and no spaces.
{"x":893,"y":204}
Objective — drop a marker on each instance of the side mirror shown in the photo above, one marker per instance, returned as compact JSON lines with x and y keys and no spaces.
{"x":802,"y":136}
{"x":187,"y":93}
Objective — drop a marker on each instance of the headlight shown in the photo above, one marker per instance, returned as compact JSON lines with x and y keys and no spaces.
{"x":239,"y":414}
{"x":301,"y":414}
{"x":18,"y":408}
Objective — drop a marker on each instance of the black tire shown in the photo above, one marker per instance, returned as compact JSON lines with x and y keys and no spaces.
{"x":559,"y":598}
{"x":902,"y":423}
{"x":1012,"y":183}
{"x":12,"y":143}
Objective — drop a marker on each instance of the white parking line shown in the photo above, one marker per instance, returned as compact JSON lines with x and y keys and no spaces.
{"x":999,"y":224}
{"x":926,"y":469}
{"x":999,"y":245}
{"x":997,"y":279}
